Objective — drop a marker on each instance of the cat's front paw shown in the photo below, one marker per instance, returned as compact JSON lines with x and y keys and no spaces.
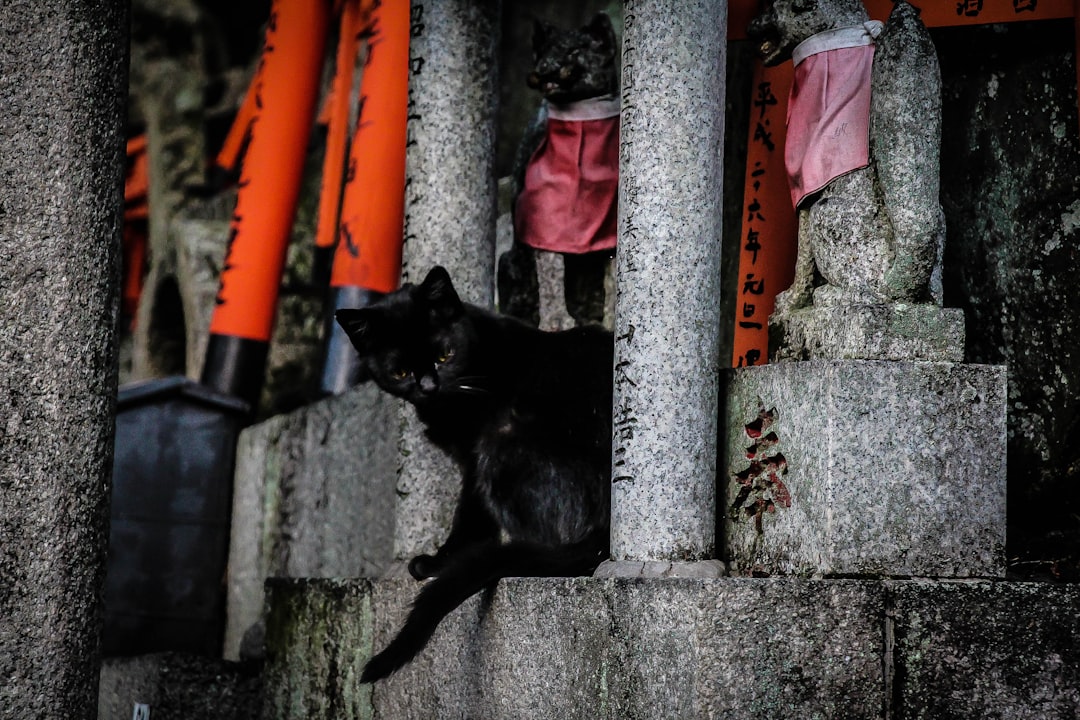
{"x":423,"y":567}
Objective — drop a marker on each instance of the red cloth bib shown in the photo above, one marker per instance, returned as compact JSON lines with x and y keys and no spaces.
{"x":828,"y":123}
{"x":570,"y":200}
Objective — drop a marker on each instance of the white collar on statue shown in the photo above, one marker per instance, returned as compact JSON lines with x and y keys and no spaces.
{"x":844,"y":37}
{"x":596,"y":108}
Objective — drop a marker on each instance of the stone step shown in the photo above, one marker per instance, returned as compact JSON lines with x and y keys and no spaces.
{"x":684,"y":648}
{"x":179,"y":686}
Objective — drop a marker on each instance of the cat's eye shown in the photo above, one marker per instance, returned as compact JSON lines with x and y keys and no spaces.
{"x":445,"y":356}
{"x":399,"y":374}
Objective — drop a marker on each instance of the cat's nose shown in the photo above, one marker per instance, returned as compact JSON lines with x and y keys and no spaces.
{"x":428,"y":383}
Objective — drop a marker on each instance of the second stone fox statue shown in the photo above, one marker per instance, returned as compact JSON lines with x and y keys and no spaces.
{"x":870,"y":232}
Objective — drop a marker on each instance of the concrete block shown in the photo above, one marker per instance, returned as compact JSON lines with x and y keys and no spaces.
{"x":586,"y":648}
{"x":866,"y":468}
{"x":174,"y":686}
{"x":313,"y":497}
{"x":986,"y":650}
{"x":742,"y":648}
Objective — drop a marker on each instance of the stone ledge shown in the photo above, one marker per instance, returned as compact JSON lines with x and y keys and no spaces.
{"x":585,"y":648}
{"x":985,"y":650}
{"x":178,"y":686}
{"x":870,"y":332}
{"x":313,"y":496}
{"x":715,"y":648}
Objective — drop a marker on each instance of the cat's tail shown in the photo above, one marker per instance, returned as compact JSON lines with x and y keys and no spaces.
{"x":470,"y":571}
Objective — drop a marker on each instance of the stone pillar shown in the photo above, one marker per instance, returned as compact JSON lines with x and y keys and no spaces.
{"x":668,"y":273}
{"x":63,"y":82}
{"x":450,"y":210}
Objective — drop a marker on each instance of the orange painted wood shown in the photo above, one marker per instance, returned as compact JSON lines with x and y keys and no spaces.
{"x":948,"y":13}
{"x":337,"y":124}
{"x":229,"y":154}
{"x":368,"y":253}
{"x":935,"y":13}
{"x":768,"y":236}
{"x":285,"y":95}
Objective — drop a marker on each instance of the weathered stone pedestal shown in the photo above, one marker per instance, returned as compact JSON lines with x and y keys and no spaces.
{"x":870,"y":332}
{"x":684,"y":648}
{"x":866,"y":468}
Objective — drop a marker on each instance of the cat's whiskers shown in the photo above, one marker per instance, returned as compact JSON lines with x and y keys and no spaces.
{"x":469,"y":384}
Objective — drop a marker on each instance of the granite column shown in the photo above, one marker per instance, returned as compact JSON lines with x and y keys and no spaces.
{"x":63,"y":81}
{"x":450,"y":210}
{"x":668,"y":274}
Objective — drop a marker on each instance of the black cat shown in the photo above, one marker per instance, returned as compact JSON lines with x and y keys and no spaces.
{"x":526,"y":415}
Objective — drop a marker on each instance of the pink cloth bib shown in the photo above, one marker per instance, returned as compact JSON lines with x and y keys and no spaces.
{"x":828,"y":123}
{"x":570,"y":200}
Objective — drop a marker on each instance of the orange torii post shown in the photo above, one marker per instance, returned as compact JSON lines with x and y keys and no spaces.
{"x":284,"y":97}
{"x":136,"y":213}
{"x":769,"y":227}
{"x":227,"y":158}
{"x":367,"y":260}
{"x":338,"y":111}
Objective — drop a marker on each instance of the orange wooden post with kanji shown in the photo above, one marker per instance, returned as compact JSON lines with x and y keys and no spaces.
{"x":339,"y":110}
{"x":367,"y":259}
{"x":769,"y":227}
{"x":285,"y":95}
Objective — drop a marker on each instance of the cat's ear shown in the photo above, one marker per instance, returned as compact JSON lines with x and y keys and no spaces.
{"x":601,"y":31}
{"x":439,"y":294}
{"x":357,"y":324}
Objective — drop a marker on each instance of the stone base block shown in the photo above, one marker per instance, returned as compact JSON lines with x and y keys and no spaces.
{"x":174,"y":686}
{"x":870,"y":332}
{"x":985,"y":650}
{"x":852,"y":468}
{"x":684,"y":648}
{"x":313,"y":496}
{"x":585,"y":648}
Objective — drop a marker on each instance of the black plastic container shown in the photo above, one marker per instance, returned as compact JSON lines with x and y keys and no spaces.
{"x":171,"y":506}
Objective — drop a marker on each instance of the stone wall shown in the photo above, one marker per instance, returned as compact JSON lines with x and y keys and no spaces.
{"x":1011,"y":193}
{"x":685,"y":648}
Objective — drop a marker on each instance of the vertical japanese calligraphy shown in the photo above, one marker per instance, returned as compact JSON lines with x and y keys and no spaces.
{"x":768,"y":236}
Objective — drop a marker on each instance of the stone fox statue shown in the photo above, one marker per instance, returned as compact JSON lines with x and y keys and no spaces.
{"x":566,"y":179}
{"x":870,"y":228}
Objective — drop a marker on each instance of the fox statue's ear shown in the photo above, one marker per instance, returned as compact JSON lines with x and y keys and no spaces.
{"x":601,"y":31}
{"x":439,"y":294}
{"x":542,"y":33}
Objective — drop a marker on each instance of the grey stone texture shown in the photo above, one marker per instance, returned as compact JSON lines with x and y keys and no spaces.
{"x":313,"y":496}
{"x":167,"y":99}
{"x":1011,"y":193}
{"x":668,"y":273}
{"x":898,"y":331}
{"x":683,"y":648}
{"x":586,"y":648}
{"x":986,"y":650}
{"x":874,"y":235}
{"x":450,"y":213}
{"x":174,"y":686}
{"x":62,"y":82}
{"x":865,"y":468}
